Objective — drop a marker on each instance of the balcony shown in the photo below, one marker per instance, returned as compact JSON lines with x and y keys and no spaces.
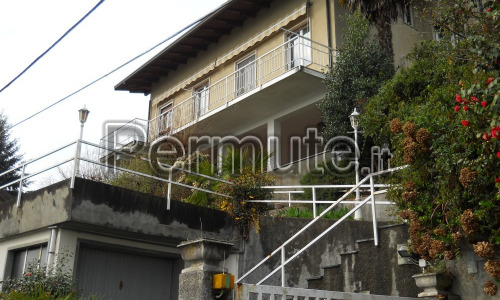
{"x":276,"y":80}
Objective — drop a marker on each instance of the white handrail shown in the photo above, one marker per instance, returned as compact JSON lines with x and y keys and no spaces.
{"x":37,"y":158}
{"x":279,"y":249}
{"x":252,"y":291}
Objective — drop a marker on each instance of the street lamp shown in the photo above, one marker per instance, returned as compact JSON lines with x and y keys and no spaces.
{"x":83,"y":113}
{"x":354,"y":117}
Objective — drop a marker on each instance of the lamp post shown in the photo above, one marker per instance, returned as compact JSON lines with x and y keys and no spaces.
{"x":354,"y":117}
{"x":83,"y":114}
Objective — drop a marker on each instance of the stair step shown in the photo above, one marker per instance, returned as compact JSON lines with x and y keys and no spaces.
{"x":349,"y":252}
{"x":365,"y":240}
{"x":314,"y":278}
{"x":391,"y":225}
{"x":330,"y":266}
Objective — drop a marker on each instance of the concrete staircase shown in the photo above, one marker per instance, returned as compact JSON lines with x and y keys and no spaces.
{"x":369,"y":269}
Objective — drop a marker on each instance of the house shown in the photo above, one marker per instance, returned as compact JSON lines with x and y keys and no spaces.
{"x":252,"y":71}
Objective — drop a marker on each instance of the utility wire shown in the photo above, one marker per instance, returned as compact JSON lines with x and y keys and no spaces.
{"x":53,"y":45}
{"x":114,"y":70}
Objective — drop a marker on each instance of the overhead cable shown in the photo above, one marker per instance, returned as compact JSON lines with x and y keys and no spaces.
{"x":114,"y":70}
{"x":53,"y":45}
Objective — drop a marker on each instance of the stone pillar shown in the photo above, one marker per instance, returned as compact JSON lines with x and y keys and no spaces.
{"x":202,"y":259}
{"x":273,"y":144}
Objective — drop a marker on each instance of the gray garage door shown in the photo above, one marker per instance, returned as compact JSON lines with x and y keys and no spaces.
{"x":122,"y":276}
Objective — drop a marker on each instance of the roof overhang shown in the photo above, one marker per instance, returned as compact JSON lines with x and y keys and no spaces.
{"x":209,"y":30}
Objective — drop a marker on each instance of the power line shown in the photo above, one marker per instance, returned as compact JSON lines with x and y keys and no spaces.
{"x":53,"y":45}
{"x":114,"y":70}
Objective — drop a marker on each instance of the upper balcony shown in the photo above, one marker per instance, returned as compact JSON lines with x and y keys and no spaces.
{"x":284,"y":77}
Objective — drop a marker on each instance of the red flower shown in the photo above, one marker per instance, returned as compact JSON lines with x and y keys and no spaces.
{"x":465,"y":123}
{"x":488,"y":9}
{"x":495,"y":132}
{"x":473,"y":99}
{"x":489,"y":81}
{"x":28,"y":274}
{"x":484,"y":103}
{"x":458,"y":98}
{"x":497,"y":179}
{"x":466,"y":108}
{"x":460,"y":82}
{"x":498,"y":154}
{"x":486,"y":136}
{"x":457,"y":108}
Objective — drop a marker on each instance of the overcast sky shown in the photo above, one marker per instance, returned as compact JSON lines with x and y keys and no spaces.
{"x":114,"y":33}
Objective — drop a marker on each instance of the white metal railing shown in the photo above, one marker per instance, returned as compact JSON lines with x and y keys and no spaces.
{"x":292,"y":189}
{"x":281,"y":249}
{"x":78,"y":158}
{"x":260,"y":292}
{"x":300,"y":51}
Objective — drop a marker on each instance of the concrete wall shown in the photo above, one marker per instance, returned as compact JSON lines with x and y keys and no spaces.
{"x":94,"y":206}
{"x":469,"y":274}
{"x":113,"y":208}
{"x":347,"y":260}
{"x":336,"y":250}
{"x":52,"y":202}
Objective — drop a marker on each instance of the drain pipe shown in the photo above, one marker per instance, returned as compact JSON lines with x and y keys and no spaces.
{"x":52,"y":248}
{"x":328,"y":31}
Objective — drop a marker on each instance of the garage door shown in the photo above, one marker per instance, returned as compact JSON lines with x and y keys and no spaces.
{"x":122,"y":276}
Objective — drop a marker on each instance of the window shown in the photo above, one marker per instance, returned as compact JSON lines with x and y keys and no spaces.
{"x":298,"y":52}
{"x":407,"y":13}
{"x":165,"y":120}
{"x":201,"y":97}
{"x":35,"y":256}
{"x":439,"y":34}
{"x":245,"y":75}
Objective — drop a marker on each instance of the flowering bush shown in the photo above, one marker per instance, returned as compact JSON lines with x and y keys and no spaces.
{"x":246,"y":186}
{"x":37,"y":283}
{"x":450,"y":94}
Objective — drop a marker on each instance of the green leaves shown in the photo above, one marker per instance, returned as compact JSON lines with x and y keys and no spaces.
{"x":458,"y":171}
{"x":360,"y":69}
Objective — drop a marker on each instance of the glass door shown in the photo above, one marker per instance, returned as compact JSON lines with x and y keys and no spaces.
{"x":245,"y":75}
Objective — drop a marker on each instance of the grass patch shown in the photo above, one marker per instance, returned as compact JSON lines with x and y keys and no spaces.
{"x":307,"y":213}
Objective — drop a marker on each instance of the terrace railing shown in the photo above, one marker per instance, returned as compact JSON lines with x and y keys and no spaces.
{"x":298,"y":52}
{"x":44,"y":164}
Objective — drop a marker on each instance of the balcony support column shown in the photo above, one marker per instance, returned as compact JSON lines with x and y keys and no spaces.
{"x":220,"y":153}
{"x":273,"y":144}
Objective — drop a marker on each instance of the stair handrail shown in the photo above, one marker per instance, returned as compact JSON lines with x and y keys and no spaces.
{"x":282,"y":247}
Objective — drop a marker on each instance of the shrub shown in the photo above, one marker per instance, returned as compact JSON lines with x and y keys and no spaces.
{"x":37,"y":283}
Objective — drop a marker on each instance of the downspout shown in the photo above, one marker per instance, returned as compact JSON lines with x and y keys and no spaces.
{"x":328,"y":30}
{"x":52,"y":248}
{"x":149,"y":116}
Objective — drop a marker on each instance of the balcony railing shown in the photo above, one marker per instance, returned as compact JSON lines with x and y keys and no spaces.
{"x":300,"y":51}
